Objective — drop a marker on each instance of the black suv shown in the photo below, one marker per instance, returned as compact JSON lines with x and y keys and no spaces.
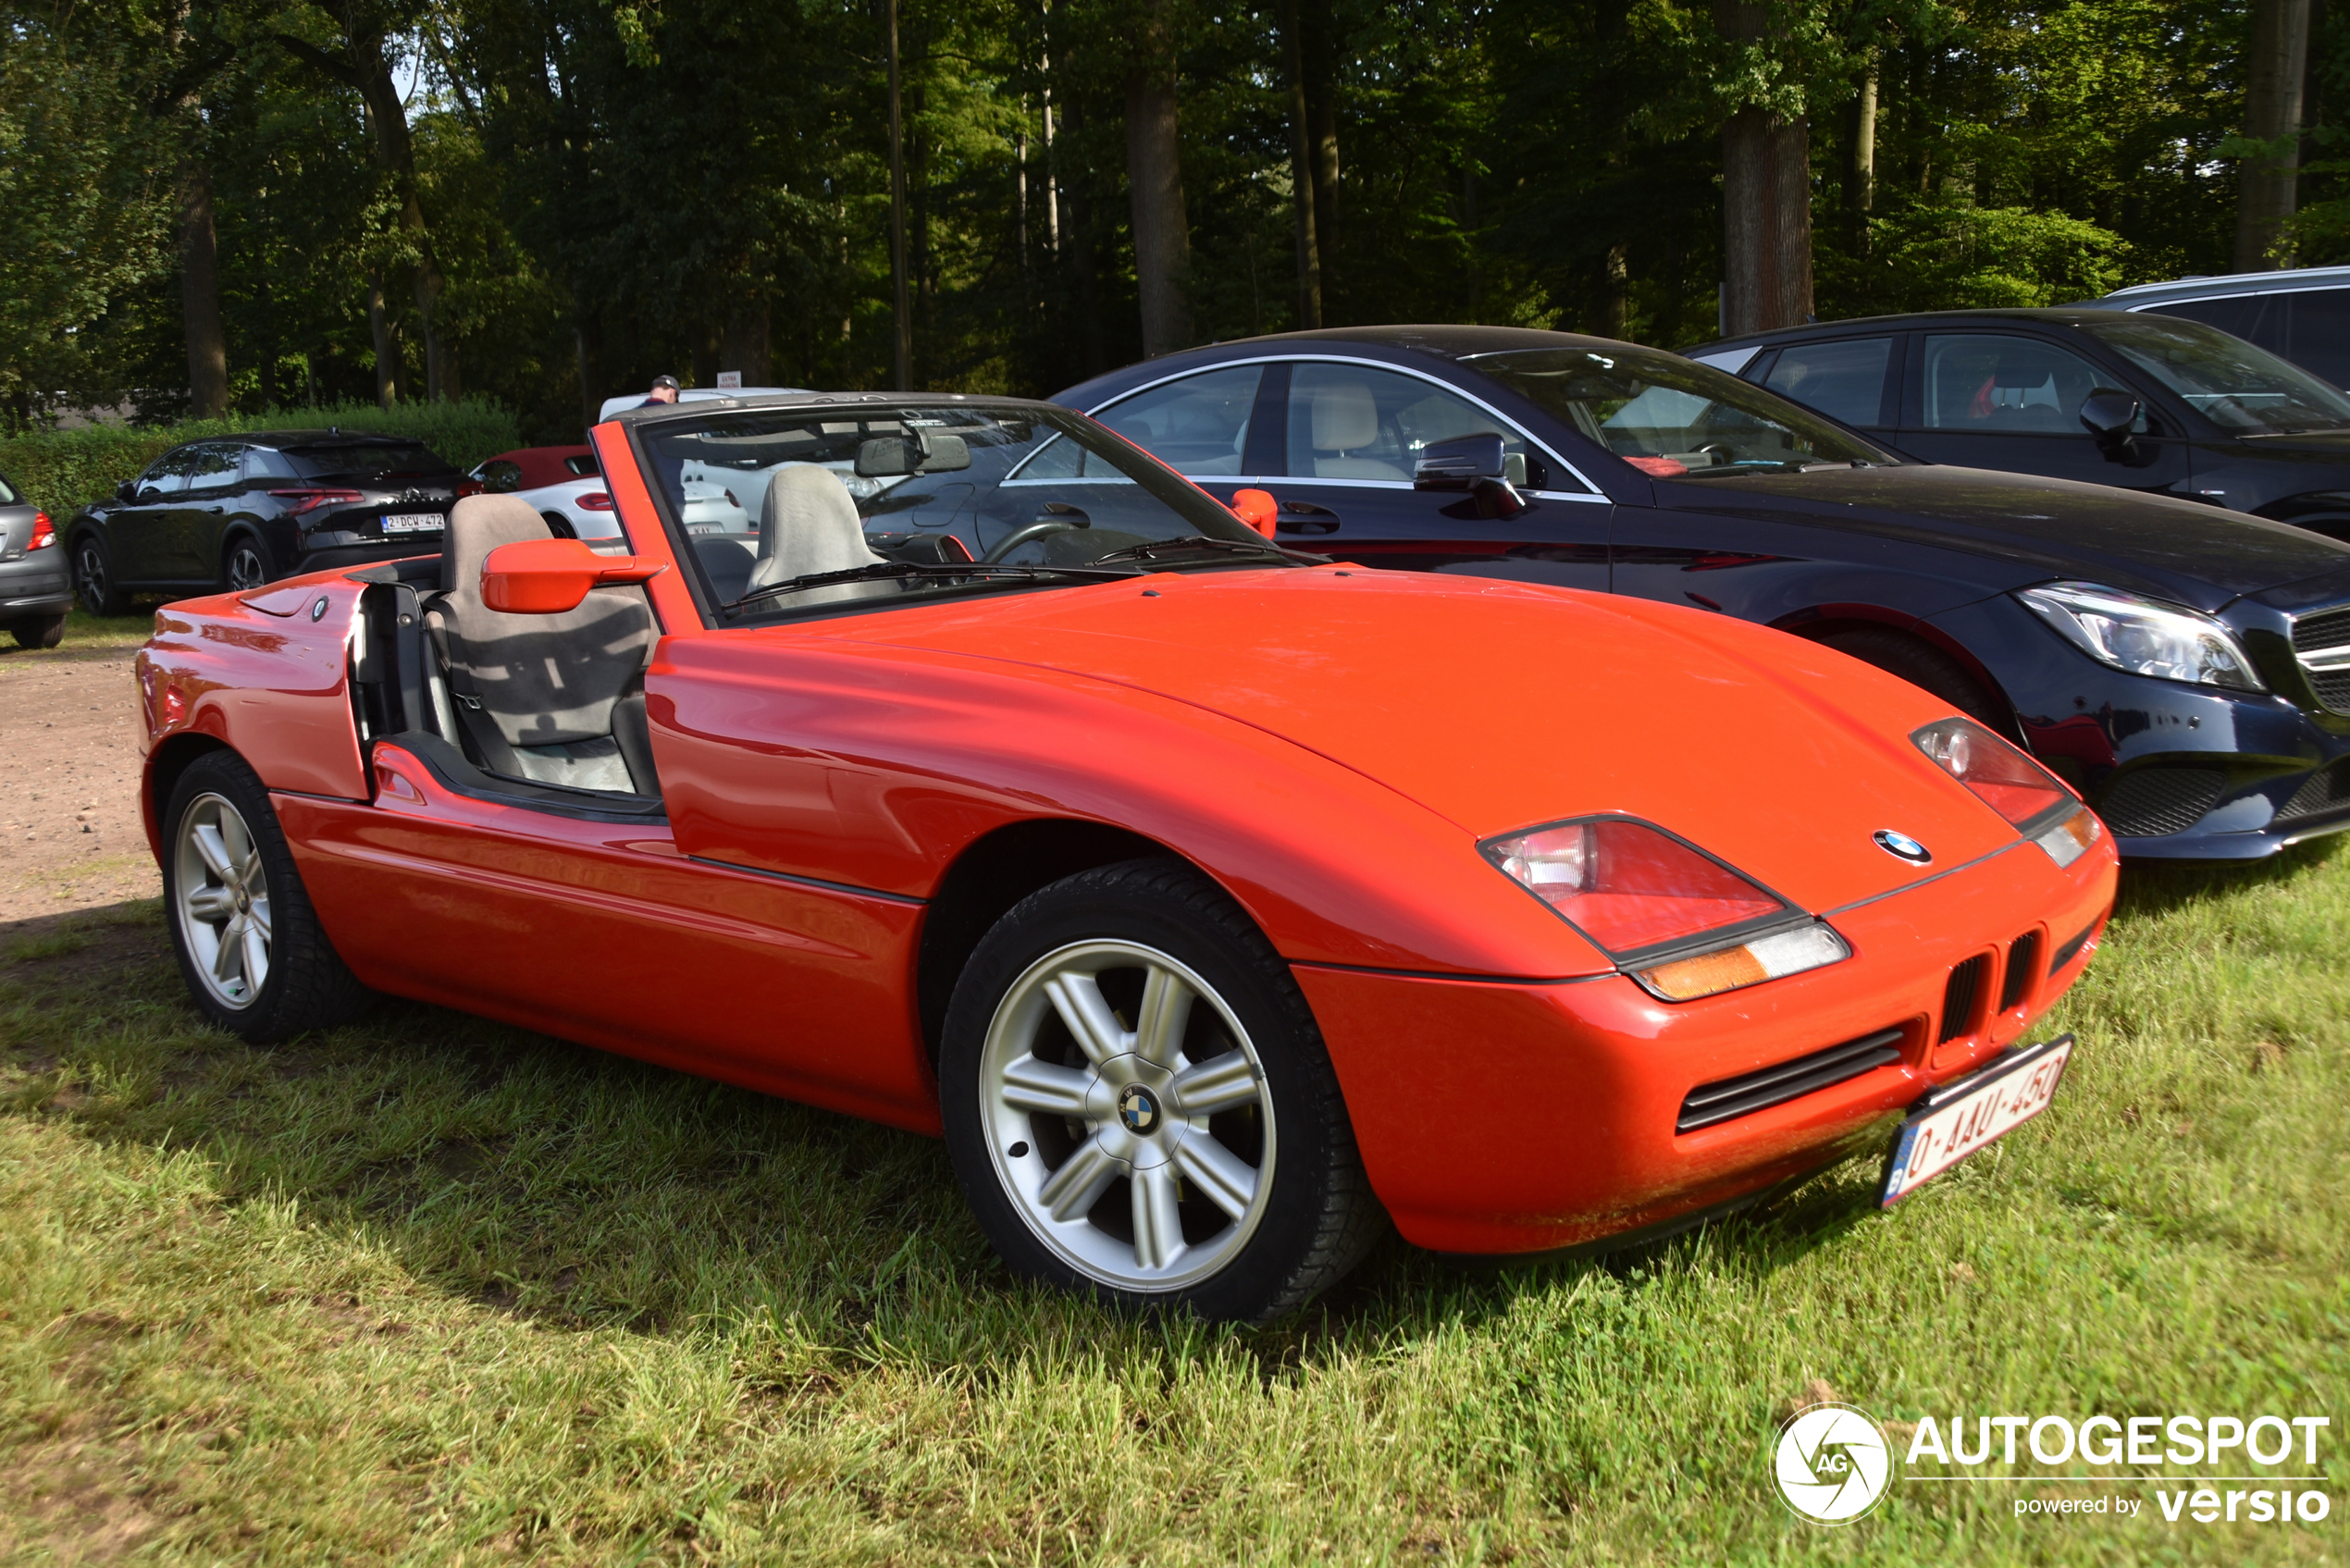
{"x":2140,"y":401}
{"x":2187,"y":668}
{"x":237,"y":513}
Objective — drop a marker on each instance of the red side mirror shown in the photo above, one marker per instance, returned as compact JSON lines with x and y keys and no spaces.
{"x":548,"y":576}
{"x":1256,"y":507}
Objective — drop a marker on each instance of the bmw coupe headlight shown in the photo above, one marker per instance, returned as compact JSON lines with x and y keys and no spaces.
{"x":1676,"y":919}
{"x":2144,"y":635}
{"x":2014,"y":785}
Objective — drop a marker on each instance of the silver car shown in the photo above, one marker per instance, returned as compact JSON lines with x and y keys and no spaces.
{"x":35,"y":594}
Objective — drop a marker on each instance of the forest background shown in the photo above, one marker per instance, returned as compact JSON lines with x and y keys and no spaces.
{"x":224,"y":206}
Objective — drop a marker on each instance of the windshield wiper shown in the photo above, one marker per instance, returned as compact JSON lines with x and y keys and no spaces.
{"x":1149,"y":549}
{"x":887,"y":571}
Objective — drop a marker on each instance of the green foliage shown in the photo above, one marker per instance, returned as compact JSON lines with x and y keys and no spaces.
{"x":1975,"y":258}
{"x":61,"y":470}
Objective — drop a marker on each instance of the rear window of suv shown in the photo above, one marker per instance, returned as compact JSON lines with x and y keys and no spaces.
{"x":371,"y":462}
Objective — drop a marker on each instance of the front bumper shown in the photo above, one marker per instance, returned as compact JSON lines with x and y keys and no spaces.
{"x":2177,"y":772}
{"x":1500,"y":1117}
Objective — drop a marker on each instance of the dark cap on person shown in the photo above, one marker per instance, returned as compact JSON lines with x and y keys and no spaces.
{"x":668,"y":381}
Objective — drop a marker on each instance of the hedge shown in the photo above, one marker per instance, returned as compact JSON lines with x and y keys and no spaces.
{"x":61,"y":470}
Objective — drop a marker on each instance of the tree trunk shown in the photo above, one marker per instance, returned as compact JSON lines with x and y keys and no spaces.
{"x":1154,"y":180}
{"x":200,"y":295}
{"x":2266,"y":186}
{"x":366,"y":71}
{"x":1860,"y":170}
{"x":588,"y":344}
{"x":1318,"y":43}
{"x":1766,"y":223}
{"x":387,"y":343}
{"x":743,"y":343}
{"x":1301,"y":172}
{"x":902,"y":339}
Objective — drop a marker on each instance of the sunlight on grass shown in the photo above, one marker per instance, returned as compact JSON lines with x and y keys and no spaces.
{"x":430,"y":1287}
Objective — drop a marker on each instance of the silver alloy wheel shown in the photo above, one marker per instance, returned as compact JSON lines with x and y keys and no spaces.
{"x":1074,"y":1101}
{"x":91,"y":566}
{"x":245,"y":569}
{"x":222,"y":900}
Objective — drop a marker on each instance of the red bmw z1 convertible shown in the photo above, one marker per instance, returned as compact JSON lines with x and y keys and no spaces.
{"x":967,"y":769}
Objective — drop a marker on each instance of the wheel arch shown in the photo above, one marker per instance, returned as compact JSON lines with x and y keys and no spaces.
{"x":993,"y":872}
{"x":170,"y":759}
{"x":1820,"y":621}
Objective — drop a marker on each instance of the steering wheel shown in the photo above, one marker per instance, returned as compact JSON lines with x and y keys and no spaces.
{"x":1058,"y":517}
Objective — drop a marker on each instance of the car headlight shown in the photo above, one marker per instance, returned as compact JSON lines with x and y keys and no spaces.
{"x":1680,"y":923}
{"x":2015,"y":786}
{"x":2145,"y":636}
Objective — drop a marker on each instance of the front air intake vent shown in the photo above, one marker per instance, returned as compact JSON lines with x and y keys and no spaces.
{"x":1958,"y":997}
{"x":2155,"y":801}
{"x":2023,"y":968}
{"x":1743,"y":1095}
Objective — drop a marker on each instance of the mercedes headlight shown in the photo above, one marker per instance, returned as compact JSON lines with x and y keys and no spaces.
{"x":2144,"y":635}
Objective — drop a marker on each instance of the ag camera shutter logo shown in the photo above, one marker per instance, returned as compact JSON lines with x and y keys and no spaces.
{"x":1831,"y":1464}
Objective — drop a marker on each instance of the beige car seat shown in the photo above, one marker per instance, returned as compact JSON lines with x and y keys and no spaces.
{"x":1346,"y":419}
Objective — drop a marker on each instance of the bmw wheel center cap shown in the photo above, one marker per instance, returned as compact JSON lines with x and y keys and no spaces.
{"x":1138,"y":1108}
{"x":1901,"y":846}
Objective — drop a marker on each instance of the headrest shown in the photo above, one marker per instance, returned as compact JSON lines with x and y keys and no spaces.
{"x":478,"y":524}
{"x":808,"y":522}
{"x":1344,"y":417}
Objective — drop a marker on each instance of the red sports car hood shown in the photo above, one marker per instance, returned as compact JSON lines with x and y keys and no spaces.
{"x":1503,"y":705}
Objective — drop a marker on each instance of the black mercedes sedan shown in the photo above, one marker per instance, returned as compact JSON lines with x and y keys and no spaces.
{"x":240,"y":512}
{"x":2109,"y":397}
{"x":2187,"y":668}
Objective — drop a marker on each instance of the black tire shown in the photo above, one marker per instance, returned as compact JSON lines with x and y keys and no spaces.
{"x":559,"y":525}
{"x":245,"y":564}
{"x":1922,"y":664}
{"x":1318,"y":1215}
{"x":41,"y":631}
{"x":306,"y":984}
{"x":94,"y":584}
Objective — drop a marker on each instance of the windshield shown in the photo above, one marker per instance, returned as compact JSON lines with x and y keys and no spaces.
{"x":768,"y":496}
{"x":1671,"y":416}
{"x":2238,"y":387}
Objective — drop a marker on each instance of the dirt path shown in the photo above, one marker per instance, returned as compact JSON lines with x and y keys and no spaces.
{"x":69,"y":831}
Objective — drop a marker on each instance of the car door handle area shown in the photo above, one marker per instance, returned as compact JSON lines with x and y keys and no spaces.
{"x":1304,"y":517}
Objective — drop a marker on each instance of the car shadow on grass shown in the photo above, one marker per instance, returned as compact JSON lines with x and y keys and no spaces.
{"x":2157,"y":887}
{"x":582,"y":1189}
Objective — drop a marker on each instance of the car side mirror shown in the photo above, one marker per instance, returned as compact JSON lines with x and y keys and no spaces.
{"x":1257,"y":508}
{"x":550,"y":577}
{"x":2107,"y":414}
{"x":126,"y":492}
{"x":1459,"y":464}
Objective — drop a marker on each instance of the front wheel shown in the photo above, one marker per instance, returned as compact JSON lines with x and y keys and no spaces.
{"x":250,"y":946}
{"x":1138,"y":1102}
{"x":93,"y":579}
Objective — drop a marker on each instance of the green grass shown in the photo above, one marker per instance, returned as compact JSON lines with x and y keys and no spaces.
{"x":431,"y":1290}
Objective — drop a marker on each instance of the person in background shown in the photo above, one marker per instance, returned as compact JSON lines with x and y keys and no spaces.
{"x":664,"y":392}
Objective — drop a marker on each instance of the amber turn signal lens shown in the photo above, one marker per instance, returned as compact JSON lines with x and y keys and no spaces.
{"x":1748,"y":963}
{"x":2070,"y":838}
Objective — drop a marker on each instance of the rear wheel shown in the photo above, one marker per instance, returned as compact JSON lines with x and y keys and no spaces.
{"x":93,"y":578}
{"x":245,"y":565}
{"x":250,"y":946}
{"x":1922,"y":664}
{"x":41,"y":631}
{"x":1138,"y":1102}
